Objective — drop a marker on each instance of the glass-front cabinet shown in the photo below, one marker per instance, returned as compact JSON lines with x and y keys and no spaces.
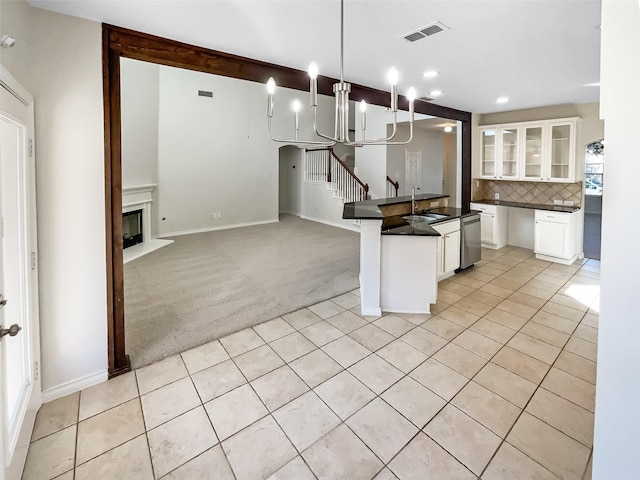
{"x":499,"y":152}
{"x":488,"y":154}
{"x":561,"y":150}
{"x":533,"y":153}
{"x":510,"y":158}
{"x":542,"y":151}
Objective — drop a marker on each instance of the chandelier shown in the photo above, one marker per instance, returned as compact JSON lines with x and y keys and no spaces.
{"x":341,"y":123}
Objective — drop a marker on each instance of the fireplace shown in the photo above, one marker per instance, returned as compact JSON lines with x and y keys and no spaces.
{"x":132,"y":232}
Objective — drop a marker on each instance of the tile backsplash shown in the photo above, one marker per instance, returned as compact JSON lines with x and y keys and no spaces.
{"x":527,"y":192}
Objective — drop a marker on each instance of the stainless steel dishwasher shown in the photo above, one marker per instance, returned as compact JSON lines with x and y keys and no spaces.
{"x":470,"y":249}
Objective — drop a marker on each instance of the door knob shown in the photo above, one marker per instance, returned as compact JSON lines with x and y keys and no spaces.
{"x":12,"y":331}
{"x":3,"y":301}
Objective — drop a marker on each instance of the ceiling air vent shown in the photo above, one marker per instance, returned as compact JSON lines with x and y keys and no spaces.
{"x":426,"y":31}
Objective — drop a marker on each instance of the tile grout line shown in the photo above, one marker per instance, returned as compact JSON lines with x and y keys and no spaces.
{"x":404,"y":375}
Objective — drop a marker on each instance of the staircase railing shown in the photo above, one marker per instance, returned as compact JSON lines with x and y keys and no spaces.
{"x":391,"y":185}
{"x":324,"y":165}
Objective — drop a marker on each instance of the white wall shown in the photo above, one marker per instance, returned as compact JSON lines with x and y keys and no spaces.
{"x":140,"y":84}
{"x":371,"y":161}
{"x":215,"y":154}
{"x":429,"y":142}
{"x":617,"y":421}
{"x":319,"y":205}
{"x":58,"y":58}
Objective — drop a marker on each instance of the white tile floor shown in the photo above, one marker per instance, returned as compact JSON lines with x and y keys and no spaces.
{"x":498,"y":383}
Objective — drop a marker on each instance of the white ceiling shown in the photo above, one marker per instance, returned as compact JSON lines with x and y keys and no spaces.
{"x":536,"y":52}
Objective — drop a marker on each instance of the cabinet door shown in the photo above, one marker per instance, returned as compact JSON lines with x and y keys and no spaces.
{"x":508,"y":140}
{"x":560,"y":166}
{"x":487,"y":228}
{"x":551,"y":238}
{"x":451,"y":258}
{"x":532,"y":168}
{"x":488,"y":153}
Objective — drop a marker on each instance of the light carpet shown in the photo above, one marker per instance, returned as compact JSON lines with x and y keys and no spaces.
{"x":207,"y":285}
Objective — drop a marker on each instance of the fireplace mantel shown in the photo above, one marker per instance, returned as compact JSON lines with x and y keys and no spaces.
{"x":140,"y":197}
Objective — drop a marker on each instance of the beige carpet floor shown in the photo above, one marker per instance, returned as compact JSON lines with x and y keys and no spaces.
{"x":207,"y":285}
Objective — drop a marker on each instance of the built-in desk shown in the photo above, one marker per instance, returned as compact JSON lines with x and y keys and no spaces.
{"x":551,"y":231}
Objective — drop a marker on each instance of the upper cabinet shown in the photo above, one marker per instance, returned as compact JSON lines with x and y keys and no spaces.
{"x":542,"y":151}
{"x":499,"y":153}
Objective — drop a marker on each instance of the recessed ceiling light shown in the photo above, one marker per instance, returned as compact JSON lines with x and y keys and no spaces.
{"x":448,"y":129}
{"x":502,"y":100}
{"x":594,"y":84}
{"x":430,"y":74}
{"x":435,"y":93}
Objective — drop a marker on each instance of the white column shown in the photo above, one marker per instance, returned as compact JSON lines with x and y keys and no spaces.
{"x":370,"y":267}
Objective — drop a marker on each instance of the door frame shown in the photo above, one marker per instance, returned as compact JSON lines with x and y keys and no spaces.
{"x":119,"y":42}
{"x":34,"y":400}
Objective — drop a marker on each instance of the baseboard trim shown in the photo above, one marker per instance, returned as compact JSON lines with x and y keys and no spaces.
{"x":213,"y":229}
{"x":73,"y":386}
{"x":373,"y":312}
{"x":353,"y":228}
{"x":563,"y":261}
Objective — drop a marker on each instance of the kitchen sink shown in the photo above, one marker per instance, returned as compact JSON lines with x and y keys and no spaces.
{"x":417,"y":218}
{"x":424,"y":217}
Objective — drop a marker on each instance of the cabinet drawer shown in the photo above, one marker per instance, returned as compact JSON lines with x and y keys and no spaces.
{"x":484,"y":208}
{"x":555,"y":217}
{"x":447,"y":227}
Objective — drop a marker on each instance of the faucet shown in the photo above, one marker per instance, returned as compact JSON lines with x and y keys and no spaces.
{"x":413,"y":200}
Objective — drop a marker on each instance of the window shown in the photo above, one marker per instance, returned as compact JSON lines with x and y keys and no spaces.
{"x":594,"y":168}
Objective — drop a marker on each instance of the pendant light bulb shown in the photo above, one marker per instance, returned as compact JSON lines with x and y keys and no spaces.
{"x":313,"y":70}
{"x":363,"y":106}
{"x":393,"y":76}
{"x":296,"y":105}
{"x":411,"y":94}
{"x":271,"y":86}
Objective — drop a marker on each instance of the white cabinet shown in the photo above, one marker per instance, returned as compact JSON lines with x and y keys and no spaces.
{"x":543,"y":151}
{"x":500,"y":153}
{"x":494,"y":224}
{"x":448,"y":248}
{"x":556,"y":236}
{"x":560,"y":165}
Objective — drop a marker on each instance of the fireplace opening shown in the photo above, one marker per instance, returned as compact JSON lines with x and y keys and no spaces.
{"x":132,"y":228}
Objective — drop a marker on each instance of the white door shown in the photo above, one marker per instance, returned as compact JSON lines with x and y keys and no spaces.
{"x":412,"y":171}
{"x":20,"y":392}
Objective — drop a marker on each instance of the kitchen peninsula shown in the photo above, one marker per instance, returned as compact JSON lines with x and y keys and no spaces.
{"x":402,"y":250}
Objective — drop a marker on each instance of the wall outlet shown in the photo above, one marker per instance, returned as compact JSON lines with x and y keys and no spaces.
{"x":434,"y":204}
{"x":557,"y":202}
{"x":477,"y":183}
{"x":568,"y":203}
{"x":212,"y":216}
{"x":496,"y":196}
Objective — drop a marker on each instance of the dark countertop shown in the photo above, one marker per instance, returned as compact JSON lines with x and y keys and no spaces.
{"x":368,"y":209}
{"x":534,"y":206}
{"x":396,"y":225}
